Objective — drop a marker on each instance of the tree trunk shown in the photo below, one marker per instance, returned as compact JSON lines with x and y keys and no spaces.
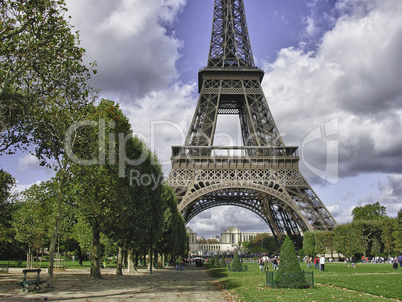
{"x":95,"y":248}
{"x":156,"y":258}
{"x":130,"y":266}
{"x":136,"y":259}
{"x":119,"y":269}
{"x":150,"y":261}
{"x":79,"y":252}
{"x":55,"y":231}
{"x":162,"y":260}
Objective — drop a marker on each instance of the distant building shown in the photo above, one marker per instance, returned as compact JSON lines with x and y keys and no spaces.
{"x":228,"y":242}
{"x":192,"y":235}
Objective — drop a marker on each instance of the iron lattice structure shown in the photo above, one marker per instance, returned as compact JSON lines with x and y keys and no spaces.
{"x":262,"y":175}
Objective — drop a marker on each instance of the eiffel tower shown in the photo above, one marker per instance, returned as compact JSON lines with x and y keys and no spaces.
{"x":263,"y":175}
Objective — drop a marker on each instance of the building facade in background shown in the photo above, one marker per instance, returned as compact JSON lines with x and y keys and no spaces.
{"x":228,"y":242}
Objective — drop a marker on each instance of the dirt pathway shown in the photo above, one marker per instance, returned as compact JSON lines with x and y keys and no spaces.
{"x":191,"y":284}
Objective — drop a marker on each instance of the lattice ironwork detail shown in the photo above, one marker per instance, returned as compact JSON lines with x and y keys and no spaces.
{"x":230,"y":44}
{"x":263,"y":175}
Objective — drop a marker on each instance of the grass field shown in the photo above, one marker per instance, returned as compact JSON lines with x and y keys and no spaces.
{"x":366,"y":282}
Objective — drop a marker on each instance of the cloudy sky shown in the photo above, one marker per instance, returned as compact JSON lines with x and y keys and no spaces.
{"x":333,"y":81}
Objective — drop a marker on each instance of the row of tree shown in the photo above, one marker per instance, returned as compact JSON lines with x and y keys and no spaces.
{"x":86,"y":201}
{"x":261,"y":243}
{"x":372,"y":233}
{"x":381,"y":236}
{"x":107,"y":182}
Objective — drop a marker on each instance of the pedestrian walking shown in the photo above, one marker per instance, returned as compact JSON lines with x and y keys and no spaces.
{"x":322,"y":263}
{"x":266,"y":265}
{"x":308,"y":262}
{"x":275,"y":263}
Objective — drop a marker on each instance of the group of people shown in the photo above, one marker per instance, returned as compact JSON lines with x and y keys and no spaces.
{"x":319,"y":262}
{"x":264,"y":263}
{"x":379,"y":259}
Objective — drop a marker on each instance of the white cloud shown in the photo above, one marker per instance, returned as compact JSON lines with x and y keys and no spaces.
{"x":20,"y":188}
{"x":355,"y":75}
{"x":391,"y":196}
{"x":133,"y":17}
{"x":162,"y":119}
{"x":311,"y":28}
{"x":127,"y":39}
{"x":215,"y":221}
{"x":27,"y":162}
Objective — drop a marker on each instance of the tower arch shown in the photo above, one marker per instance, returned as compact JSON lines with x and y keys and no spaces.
{"x":274,"y":207}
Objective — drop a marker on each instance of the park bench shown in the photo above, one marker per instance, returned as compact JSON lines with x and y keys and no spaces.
{"x":24,"y":284}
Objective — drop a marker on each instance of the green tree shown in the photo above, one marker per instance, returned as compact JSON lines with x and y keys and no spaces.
{"x":182,"y":248}
{"x":216,"y":260}
{"x":49,"y":135}
{"x":309,"y":244}
{"x":398,"y":232}
{"x":376,"y":247}
{"x":34,"y":217}
{"x":171,"y":243}
{"x":223,"y":261}
{"x":289,"y":273}
{"x":346,"y":240}
{"x":134,"y":198}
{"x":367,"y":230}
{"x":101,"y":193}
{"x":7,"y":207}
{"x":39,"y":61}
{"x":369,"y":212}
{"x":387,"y":228}
{"x":80,"y":240}
{"x":44,"y":87}
{"x":320,"y":246}
{"x":236,"y":266}
{"x":261,"y":243}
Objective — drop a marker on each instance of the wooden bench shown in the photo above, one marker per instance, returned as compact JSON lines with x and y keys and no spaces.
{"x":24,"y":284}
{"x":4,"y":268}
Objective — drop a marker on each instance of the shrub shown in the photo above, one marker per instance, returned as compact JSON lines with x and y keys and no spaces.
{"x":236,"y":266}
{"x":289,"y":273}
{"x":216,"y":262}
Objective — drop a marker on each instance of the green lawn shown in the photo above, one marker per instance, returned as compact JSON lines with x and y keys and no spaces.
{"x":368,"y":282}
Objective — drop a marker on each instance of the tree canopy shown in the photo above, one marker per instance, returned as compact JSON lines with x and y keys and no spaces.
{"x":369,"y":212}
{"x":40,"y":62}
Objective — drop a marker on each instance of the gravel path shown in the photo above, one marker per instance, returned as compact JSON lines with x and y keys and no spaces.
{"x":191,"y":284}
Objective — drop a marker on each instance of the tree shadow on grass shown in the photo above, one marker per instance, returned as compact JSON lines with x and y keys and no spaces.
{"x":222,"y":273}
{"x":230,"y":284}
{"x":215,"y":272}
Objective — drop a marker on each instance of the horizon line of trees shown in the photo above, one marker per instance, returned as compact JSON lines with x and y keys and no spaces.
{"x":371,"y":234}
